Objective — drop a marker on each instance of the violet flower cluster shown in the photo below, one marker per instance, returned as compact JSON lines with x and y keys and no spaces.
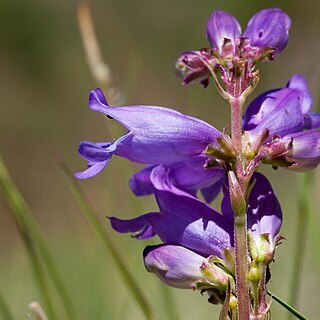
{"x":189,"y":160}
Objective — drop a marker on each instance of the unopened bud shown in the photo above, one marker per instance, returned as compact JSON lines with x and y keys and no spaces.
{"x":261,"y":248}
{"x":215,"y":275}
{"x":192,"y":67}
{"x":273,"y":152}
{"x":233,"y":302}
{"x":223,"y":149}
{"x":238,"y":202}
{"x":254,"y":273}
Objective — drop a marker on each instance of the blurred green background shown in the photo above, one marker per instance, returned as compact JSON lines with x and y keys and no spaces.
{"x":44,"y":85}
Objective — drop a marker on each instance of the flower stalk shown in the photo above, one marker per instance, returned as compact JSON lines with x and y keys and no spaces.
{"x":240,"y":216}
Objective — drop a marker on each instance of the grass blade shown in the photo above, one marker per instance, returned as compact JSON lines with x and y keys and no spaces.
{"x":293,"y":311}
{"x":24,"y":218}
{"x":103,"y":236}
{"x":5,"y":310}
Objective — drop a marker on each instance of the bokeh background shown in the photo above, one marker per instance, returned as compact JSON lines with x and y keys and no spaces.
{"x":44,"y":85}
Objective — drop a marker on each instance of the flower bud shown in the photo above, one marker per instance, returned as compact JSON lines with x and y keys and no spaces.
{"x":215,"y":275}
{"x":261,"y":248}
{"x":254,"y":273}
{"x":223,"y":31}
{"x":223,"y":149}
{"x":269,"y":28}
{"x":192,"y":67}
{"x":233,"y":302}
{"x":238,"y":202}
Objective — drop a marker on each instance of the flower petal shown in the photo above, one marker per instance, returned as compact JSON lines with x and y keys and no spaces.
{"x":221,"y":25}
{"x":299,"y":83}
{"x":192,"y":173}
{"x":188,"y":221}
{"x":140,"y":183}
{"x":269,"y":28}
{"x":92,"y":171}
{"x":264,"y":211}
{"x":305,"y":151}
{"x":311,"y":120}
{"x":189,"y":176}
{"x":278,"y":110}
{"x":211,"y":192}
{"x":140,"y":226}
{"x":98,"y":155}
{"x":174,"y":265}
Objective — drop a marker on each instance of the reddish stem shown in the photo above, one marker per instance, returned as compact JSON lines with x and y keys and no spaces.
{"x":240,"y":221}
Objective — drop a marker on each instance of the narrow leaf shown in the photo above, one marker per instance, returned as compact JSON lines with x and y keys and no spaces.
{"x":297,"y":314}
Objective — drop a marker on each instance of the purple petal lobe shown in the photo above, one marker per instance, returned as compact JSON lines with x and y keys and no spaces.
{"x":269,"y":28}
{"x":221,"y":25}
{"x":264,"y":211}
{"x":311,"y":120}
{"x":94,"y":152}
{"x":140,"y":183}
{"x":98,"y":155}
{"x":174,"y":265}
{"x":299,"y":83}
{"x":140,"y":226}
{"x":92,"y":171}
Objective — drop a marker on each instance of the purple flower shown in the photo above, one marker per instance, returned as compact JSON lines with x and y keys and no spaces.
{"x":284,"y":114}
{"x":223,"y":29}
{"x":156,"y":135}
{"x":265,"y":37}
{"x":267,"y":29}
{"x":192,"y":231}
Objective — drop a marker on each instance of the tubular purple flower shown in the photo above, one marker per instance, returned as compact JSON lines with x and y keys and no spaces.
{"x":269,"y":28}
{"x":223,"y":29}
{"x":285,"y":114}
{"x":156,"y":135}
{"x":174,"y":265}
{"x":266,"y":36}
